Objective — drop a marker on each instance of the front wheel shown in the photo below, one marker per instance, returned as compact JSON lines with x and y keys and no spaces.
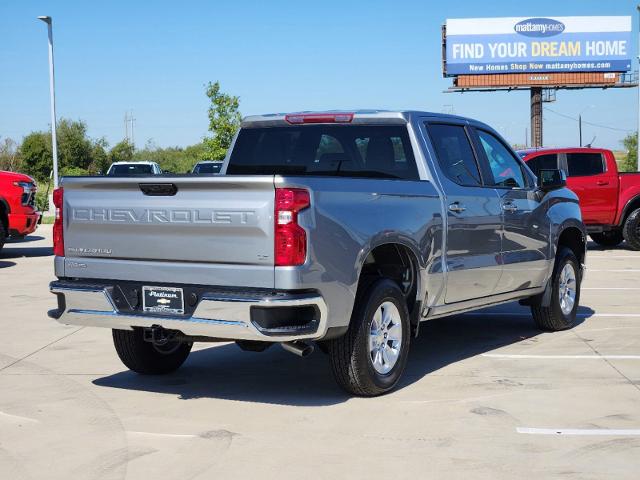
{"x":612,"y":238}
{"x":631,"y":230}
{"x":369,"y":359}
{"x":565,"y":295}
{"x":149,"y":358}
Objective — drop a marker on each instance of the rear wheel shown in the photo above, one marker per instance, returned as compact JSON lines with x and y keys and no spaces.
{"x":565,"y":295}
{"x":149,"y":358}
{"x":370,"y":358}
{"x":611,"y":238}
{"x":3,"y":233}
{"x":631,"y":230}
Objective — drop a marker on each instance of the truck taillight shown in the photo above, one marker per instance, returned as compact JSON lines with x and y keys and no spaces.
{"x":58,"y":236}
{"x":338,"y":117}
{"x":290,"y":238}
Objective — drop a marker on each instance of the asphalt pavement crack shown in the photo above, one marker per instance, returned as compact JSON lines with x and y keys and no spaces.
{"x":595,"y":350}
{"x":40,"y":349}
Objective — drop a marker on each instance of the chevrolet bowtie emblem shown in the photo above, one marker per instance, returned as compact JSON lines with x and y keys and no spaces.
{"x":164,"y":301}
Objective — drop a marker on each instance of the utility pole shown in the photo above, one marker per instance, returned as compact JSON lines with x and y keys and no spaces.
{"x":580,"y":128}
{"x":132,"y":120}
{"x":126,"y":126}
{"x":52,"y":94}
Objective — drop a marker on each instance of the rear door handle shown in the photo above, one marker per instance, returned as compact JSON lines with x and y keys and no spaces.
{"x":602,"y":182}
{"x":457,"y":207}
{"x":509,"y":207}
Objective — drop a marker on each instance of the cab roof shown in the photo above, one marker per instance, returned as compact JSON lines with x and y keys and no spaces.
{"x":363,"y":116}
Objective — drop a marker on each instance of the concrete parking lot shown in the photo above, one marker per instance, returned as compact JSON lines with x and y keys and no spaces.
{"x":485,"y":396}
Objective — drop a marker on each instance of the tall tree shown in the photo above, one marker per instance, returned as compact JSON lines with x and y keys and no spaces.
{"x":99,"y":157}
{"x":10,"y":158}
{"x":74,"y":147}
{"x":630,"y":143}
{"x":36,"y":155}
{"x":224,"y":121}
{"x":121,"y":152}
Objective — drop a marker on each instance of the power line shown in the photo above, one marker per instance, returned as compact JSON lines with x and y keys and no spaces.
{"x":589,"y":123}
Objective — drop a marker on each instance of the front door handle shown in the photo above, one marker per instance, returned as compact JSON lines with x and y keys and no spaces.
{"x":509,"y":207}
{"x":602,"y":182}
{"x":457,"y":207}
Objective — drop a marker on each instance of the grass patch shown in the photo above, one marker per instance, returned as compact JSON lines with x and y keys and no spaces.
{"x":48,"y":220}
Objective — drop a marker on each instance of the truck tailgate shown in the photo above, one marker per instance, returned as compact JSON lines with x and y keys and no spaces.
{"x":170,"y":229}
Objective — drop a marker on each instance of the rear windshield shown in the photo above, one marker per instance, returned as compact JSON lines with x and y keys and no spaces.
{"x":372,"y":151}
{"x":208,"y":167}
{"x":123,"y":170}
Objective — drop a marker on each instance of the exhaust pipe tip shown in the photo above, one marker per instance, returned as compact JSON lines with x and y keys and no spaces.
{"x":302,"y":349}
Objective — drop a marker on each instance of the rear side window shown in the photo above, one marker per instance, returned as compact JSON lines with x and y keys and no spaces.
{"x":370,"y":151}
{"x":543,"y":162}
{"x":454,"y":153}
{"x":584,"y":164}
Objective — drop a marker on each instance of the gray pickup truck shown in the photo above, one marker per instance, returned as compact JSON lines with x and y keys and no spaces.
{"x":339,"y":230}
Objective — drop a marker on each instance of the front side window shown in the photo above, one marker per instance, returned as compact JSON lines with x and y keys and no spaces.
{"x":543,"y":162}
{"x":584,"y":164}
{"x":506,"y":170}
{"x":454,"y":153}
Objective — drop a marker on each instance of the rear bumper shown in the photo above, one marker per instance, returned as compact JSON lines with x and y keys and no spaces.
{"x":23,"y":224}
{"x":217,"y":315}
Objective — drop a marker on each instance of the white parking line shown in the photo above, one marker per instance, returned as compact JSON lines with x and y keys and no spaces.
{"x":579,"y":431}
{"x":526,"y":314}
{"x":154,"y":434}
{"x":609,"y":288}
{"x":17,"y":418}
{"x":616,"y":256}
{"x":560,"y":357}
{"x":617,"y":270}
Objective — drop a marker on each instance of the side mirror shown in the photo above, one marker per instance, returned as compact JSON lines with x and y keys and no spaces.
{"x":551,"y":179}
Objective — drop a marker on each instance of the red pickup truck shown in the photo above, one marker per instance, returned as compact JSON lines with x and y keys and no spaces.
{"x":609,"y":200}
{"x":18,"y":213}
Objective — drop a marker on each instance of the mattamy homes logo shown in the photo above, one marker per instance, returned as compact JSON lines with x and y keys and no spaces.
{"x":539,"y":27}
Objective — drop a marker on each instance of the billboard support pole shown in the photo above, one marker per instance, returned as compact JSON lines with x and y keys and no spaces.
{"x":536,"y":117}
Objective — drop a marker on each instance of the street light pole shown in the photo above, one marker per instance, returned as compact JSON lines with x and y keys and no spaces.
{"x":52,"y":94}
{"x":638,"y":132}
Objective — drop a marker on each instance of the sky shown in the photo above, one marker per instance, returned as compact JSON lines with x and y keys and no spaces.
{"x":154,"y":58}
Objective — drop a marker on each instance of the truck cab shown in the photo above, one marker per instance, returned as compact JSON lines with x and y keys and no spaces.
{"x":18,"y":213}
{"x":608,"y":198}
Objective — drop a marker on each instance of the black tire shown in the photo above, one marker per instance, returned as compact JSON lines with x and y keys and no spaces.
{"x":350,"y":354}
{"x":612,"y":238}
{"x":631,"y":230}
{"x":145,"y":357}
{"x":3,"y":233}
{"x":552,"y":318}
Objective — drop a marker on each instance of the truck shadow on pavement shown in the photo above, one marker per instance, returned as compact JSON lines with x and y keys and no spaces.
{"x":27,"y":239}
{"x":594,"y":247}
{"x":19,"y":252}
{"x":277,"y":377}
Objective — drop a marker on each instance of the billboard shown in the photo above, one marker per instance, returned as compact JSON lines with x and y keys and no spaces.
{"x":481,"y":46}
